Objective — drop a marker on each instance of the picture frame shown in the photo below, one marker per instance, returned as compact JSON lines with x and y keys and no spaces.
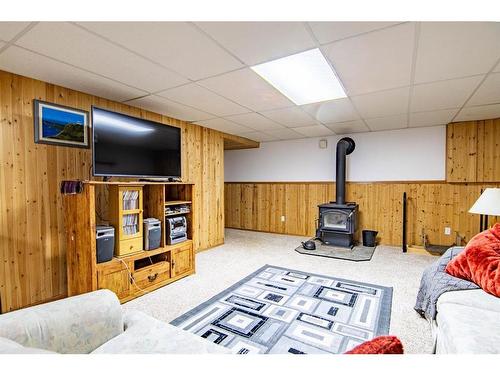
{"x":56,"y":124}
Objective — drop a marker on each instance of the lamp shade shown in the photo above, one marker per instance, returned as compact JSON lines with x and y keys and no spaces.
{"x":488,"y":203}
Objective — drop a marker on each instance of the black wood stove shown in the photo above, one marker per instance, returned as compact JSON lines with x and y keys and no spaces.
{"x":337,"y":221}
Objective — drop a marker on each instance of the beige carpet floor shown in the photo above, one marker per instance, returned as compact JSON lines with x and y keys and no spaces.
{"x":245,"y":251}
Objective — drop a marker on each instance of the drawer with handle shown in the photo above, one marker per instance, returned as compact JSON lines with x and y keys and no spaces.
{"x":152,"y":275}
{"x":127,"y":247}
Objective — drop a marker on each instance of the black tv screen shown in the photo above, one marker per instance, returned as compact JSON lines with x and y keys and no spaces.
{"x":132,"y":147}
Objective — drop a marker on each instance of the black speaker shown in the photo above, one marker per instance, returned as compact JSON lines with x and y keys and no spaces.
{"x":105,"y":243}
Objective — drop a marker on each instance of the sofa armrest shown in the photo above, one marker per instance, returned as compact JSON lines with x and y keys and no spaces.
{"x":147,"y":335}
{"x":77,"y":324}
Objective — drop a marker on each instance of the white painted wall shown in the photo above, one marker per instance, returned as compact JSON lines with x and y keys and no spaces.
{"x":396,"y":155}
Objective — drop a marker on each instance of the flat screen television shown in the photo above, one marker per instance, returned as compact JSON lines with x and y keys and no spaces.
{"x":132,"y":147}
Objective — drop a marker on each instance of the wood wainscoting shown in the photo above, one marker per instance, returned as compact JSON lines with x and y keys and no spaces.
{"x":32,"y":240}
{"x":432,"y":206}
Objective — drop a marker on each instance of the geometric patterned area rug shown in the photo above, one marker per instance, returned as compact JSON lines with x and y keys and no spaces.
{"x":278,"y":310}
{"x":356,"y":254}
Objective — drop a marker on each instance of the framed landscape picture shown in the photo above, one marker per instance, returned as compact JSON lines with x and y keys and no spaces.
{"x":59,"y":125}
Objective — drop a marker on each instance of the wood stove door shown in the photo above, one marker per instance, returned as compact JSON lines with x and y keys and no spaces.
{"x":335,"y":220}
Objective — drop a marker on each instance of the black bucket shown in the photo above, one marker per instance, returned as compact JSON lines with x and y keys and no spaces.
{"x":369,"y":237}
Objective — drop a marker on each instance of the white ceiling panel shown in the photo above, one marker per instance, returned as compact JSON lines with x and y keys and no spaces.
{"x":248,"y":89}
{"x":260,"y":137}
{"x":20,"y":61}
{"x":338,"y":110}
{"x":255,"y":121}
{"x":374,"y":61}
{"x":257,"y":42}
{"x":327,"y":32}
{"x":225,"y":126}
{"x":432,"y":118}
{"x":388,"y":123}
{"x":177,"y":45}
{"x":199,"y":97}
{"x":488,"y":92}
{"x":285,"y":134}
{"x":383,"y":103}
{"x":9,"y":30}
{"x":168,"y":108}
{"x":291,"y":117}
{"x":443,"y":94}
{"x":348,"y":127}
{"x":482,"y":112}
{"x":73,"y":45}
{"x":456,"y":49}
{"x":314,"y":131}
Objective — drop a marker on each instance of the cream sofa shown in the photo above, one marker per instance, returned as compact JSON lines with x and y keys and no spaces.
{"x":94,"y":323}
{"x":467,"y":321}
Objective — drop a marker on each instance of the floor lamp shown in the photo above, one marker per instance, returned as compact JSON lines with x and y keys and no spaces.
{"x":487,"y":204}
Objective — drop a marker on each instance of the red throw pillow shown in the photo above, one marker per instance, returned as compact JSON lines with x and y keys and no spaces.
{"x":379,"y":345}
{"x":479,"y":262}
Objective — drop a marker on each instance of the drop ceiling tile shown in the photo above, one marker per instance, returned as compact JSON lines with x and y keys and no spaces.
{"x":9,"y":30}
{"x":285,"y":134}
{"x":260,"y":137}
{"x":375,"y":61}
{"x":383,"y":103}
{"x":327,"y":32}
{"x":456,"y":49}
{"x":482,"y":112}
{"x":255,"y":121}
{"x":443,"y":94}
{"x":257,"y":42}
{"x":199,"y":97}
{"x":432,"y":118}
{"x":388,"y":123}
{"x":314,"y":131}
{"x":225,"y":126}
{"x":168,"y":108}
{"x":488,"y":92}
{"x":291,"y":117}
{"x":73,"y":45}
{"x":248,"y":89}
{"x":30,"y":64}
{"x":348,"y":127}
{"x":338,"y":110}
{"x":177,"y":45}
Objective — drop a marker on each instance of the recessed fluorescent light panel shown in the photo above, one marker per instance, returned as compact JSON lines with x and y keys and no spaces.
{"x":304,"y":78}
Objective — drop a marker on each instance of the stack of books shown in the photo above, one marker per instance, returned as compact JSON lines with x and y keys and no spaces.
{"x":130,"y":224}
{"x":130,"y":199}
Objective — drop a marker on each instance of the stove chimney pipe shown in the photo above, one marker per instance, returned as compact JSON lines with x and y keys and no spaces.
{"x":344,"y":147}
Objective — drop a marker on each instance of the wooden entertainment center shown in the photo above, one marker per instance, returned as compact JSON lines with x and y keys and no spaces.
{"x":133,"y":271}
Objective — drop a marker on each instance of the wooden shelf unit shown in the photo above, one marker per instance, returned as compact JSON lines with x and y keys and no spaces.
{"x":140,"y":271}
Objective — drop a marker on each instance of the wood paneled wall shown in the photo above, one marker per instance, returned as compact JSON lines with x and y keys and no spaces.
{"x":432,"y":206}
{"x":32,"y":242}
{"x":473,"y":151}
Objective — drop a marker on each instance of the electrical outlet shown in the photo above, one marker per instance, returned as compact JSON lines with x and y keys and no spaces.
{"x":447,"y":231}
{"x":282,"y":218}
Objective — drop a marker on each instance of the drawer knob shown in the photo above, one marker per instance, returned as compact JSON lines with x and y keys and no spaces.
{"x":152,"y":278}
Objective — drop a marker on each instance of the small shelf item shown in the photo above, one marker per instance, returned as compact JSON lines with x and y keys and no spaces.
{"x":177,"y":210}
